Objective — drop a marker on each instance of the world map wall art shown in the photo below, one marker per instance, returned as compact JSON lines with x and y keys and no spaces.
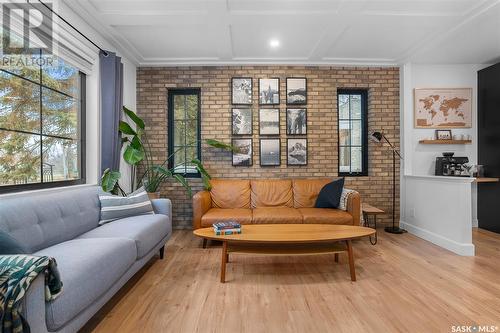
{"x":443,"y":107}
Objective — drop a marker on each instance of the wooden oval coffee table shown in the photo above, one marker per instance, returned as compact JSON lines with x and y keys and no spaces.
{"x":289,"y":239}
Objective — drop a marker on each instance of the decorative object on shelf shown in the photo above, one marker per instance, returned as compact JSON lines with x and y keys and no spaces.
{"x":378,"y":137}
{"x":296,"y":90}
{"x":241,"y":90}
{"x":270,"y":152}
{"x":443,"y":107}
{"x":242,"y":121}
{"x":269,"y":91}
{"x":443,"y":135}
{"x":296,"y":151}
{"x":269,"y":121}
{"x":242,"y":155}
{"x":296,"y":121}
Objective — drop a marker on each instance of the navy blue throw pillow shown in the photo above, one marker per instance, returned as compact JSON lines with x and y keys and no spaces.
{"x":329,"y":196}
{"x":9,"y":245}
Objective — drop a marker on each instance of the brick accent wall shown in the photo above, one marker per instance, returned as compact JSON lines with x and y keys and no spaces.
{"x":322,"y":84}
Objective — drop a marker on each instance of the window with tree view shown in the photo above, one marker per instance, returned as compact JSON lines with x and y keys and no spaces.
{"x":353,"y":128}
{"x":41,"y":122}
{"x":184,"y":130}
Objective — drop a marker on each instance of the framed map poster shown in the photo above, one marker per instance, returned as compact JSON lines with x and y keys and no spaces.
{"x":443,"y":107}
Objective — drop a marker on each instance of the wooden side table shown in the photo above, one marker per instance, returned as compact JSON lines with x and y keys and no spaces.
{"x":371,"y":212}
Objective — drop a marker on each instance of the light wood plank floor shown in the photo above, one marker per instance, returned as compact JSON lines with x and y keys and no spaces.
{"x":405,"y":284}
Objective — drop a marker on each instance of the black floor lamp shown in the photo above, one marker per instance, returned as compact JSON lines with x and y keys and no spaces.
{"x":377,"y":137}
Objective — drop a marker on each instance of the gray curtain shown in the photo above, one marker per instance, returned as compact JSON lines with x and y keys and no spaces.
{"x":111,"y":73}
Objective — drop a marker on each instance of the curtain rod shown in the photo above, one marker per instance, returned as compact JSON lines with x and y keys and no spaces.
{"x":73,"y":27}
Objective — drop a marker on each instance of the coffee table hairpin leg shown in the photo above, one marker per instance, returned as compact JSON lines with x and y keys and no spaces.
{"x":366,"y":223}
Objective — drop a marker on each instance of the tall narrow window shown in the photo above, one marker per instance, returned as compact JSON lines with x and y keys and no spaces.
{"x":42,"y":124}
{"x":184,"y":142}
{"x":353,"y":127}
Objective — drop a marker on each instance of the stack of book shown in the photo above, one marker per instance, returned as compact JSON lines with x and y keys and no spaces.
{"x":227,"y":228}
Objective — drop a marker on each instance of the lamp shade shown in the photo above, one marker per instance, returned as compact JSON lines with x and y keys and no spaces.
{"x":376,"y":136}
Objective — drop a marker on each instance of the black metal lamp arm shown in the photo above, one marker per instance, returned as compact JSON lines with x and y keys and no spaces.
{"x":392,"y":147}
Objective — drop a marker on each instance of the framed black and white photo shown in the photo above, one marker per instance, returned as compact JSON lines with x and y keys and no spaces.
{"x":296,"y":90}
{"x":296,"y":151}
{"x":242,"y":121}
{"x":270,"y":152}
{"x":296,"y":121}
{"x":269,"y":121}
{"x":241,"y":90}
{"x":243,"y":154}
{"x":269,"y":91}
{"x":443,"y":135}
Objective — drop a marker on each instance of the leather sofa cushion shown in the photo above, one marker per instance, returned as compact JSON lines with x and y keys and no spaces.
{"x":241,"y":215}
{"x":230,"y":193}
{"x":325,"y":215}
{"x":305,"y":191}
{"x":272,"y":193}
{"x":276,"y":215}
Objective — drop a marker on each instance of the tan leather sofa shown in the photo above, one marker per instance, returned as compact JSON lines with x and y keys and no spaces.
{"x":269,"y":201}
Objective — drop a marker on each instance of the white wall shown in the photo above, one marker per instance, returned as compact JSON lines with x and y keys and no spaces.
{"x":439,"y":209}
{"x":421,"y":158}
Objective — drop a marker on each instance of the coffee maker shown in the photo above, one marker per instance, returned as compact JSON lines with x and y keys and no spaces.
{"x":452,"y":166}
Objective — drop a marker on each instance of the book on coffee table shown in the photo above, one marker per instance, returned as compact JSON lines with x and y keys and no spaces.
{"x":226,"y":225}
{"x":228,"y":231}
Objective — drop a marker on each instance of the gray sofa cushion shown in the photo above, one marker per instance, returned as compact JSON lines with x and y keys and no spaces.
{"x":41,"y":219}
{"x":88,"y":268}
{"x":145,"y":230}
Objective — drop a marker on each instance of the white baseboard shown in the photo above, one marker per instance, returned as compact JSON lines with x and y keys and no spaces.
{"x":458,"y":248}
{"x":475,"y":223}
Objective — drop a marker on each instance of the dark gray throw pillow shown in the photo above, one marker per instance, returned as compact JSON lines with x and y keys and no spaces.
{"x":329,"y":196}
{"x":9,"y":245}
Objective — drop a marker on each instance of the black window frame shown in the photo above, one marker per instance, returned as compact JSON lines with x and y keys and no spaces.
{"x":170,"y":126}
{"x":82,"y":142}
{"x":364,"y":131}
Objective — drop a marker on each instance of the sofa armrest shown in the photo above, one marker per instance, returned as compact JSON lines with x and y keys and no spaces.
{"x":354,"y":207}
{"x":202,"y":202}
{"x":34,"y":305}
{"x":162,"y":206}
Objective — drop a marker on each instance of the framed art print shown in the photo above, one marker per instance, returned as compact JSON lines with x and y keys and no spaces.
{"x":296,"y":121}
{"x":269,"y":91}
{"x":296,"y":151}
{"x":242,"y":121}
{"x":269,"y":121}
{"x":270,"y":152}
{"x":241,"y":90}
{"x":243,"y":154}
{"x":296,"y":91}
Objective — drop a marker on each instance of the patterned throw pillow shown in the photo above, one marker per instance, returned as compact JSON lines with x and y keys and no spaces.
{"x":343,"y":198}
{"x":114,"y":207}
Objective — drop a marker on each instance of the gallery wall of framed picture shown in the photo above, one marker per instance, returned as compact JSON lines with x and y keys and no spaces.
{"x":269,"y":121}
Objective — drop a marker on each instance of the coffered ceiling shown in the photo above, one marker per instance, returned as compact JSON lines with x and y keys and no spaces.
{"x":378,"y":32}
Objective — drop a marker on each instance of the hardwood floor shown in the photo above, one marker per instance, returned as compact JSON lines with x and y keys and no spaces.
{"x":405,"y":284}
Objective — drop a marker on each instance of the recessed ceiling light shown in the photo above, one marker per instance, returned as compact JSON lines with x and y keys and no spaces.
{"x":274,"y":43}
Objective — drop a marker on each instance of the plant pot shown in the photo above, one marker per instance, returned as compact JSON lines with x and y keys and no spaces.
{"x":153,"y":195}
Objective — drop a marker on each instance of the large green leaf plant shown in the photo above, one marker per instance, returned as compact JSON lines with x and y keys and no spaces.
{"x":136,"y":149}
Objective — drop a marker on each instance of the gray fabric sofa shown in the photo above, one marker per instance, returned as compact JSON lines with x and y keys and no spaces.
{"x":94,"y":261}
